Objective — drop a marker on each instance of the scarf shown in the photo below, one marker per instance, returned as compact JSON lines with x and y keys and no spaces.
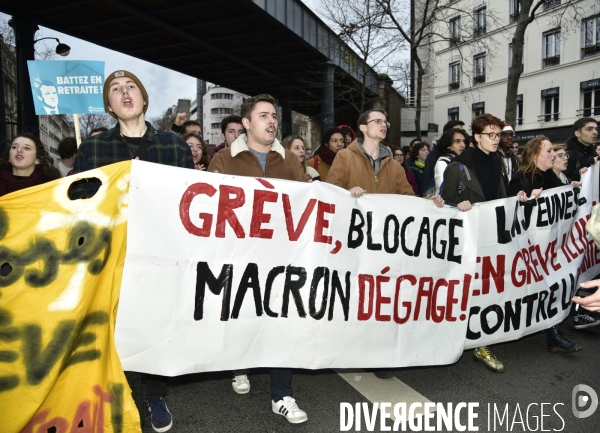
{"x":326,"y":154}
{"x":11,"y":183}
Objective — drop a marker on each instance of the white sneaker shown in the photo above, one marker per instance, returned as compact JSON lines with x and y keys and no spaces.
{"x":290,"y":410}
{"x":241,"y":384}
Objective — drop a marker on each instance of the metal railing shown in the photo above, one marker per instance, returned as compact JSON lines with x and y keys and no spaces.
{"x":454,"y":86}
{"x":588,"y":112}
{"x":590,"y":50}
{"x":479,"y":31}
{"x":549,"y":117}
{"x":550,"y":4}
{"x":551,"y":61}
{"x":478,"y":79}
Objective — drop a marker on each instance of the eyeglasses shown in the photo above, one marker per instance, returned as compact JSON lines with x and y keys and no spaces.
{"x":507,"y":134}
{"x":562,"y":155}
{"x":492,"y":135}
{"x":379,"y":122}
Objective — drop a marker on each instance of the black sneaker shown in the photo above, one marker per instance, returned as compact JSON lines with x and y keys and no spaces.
{"x":582,"y":321}
{"x":160,"y":416}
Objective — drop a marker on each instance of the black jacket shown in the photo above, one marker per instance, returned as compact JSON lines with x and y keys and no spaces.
{"x":580,"y":156}
{"x":461,"y":182}
{"x":528,"y":182}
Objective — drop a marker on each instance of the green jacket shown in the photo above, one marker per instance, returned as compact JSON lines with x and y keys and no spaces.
{"x":461,"y":182}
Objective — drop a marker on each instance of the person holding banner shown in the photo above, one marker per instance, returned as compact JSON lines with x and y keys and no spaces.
{"x":258,"y":153}
{"x":534,"y":175}
{"x":25,"y":164}
{"x":367,"y":166}
{"x":126,"y":99}
{"x":475,"y":176}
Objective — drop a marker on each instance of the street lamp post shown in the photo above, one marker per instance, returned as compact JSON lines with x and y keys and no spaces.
{"x":24,"y":41}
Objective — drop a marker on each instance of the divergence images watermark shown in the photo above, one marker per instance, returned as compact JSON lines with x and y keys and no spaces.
{"x":462,"y":416}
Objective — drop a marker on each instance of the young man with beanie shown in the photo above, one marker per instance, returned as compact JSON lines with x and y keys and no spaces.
{"x":258,"y":153}
{"x":580,"y":148}
{"x":126,"y":99}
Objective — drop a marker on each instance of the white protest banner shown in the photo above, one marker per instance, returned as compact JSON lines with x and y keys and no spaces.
{"x":228,"y":272}
{"x":528,"y":262}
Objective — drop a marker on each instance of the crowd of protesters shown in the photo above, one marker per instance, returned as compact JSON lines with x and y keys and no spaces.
{"x":459,"y":170}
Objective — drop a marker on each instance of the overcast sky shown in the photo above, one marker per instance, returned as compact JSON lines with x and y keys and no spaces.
{"x":164,"y":86}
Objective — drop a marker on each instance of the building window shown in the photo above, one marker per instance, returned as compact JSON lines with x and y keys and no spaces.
{"x":453,"y":113}
{"x":550,"y":99}
{"x":591,"y":37}
{"x":551,"y":48}
{"x":215,"y":125}
{"x":514,"y":11}
{"x":480,"y":20}
{"x":591,"y":103}
{"x":221,"y":110}
{"x":478,"y":108}
{"x":455,"y":31}
{"x":454,"y":76}
{"x":479,"y":69}
{"x":549,"y":4}
{"x":520,"y":109}
{"x":221,"y":96}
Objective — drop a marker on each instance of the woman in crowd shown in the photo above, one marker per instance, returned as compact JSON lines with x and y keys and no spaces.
{"x":452,"y":144}
{"x":25,"y":164}
{"x":581,"y":320}
{"x":535,"y":174}
{"x":561,"y":160}
{"x":297,"y":145}
{"x":399,"y":156}
{"x":199,"y":152}
{"x":348,"y":133}
{"x":333,"y":142}
{"x":418,"y":155}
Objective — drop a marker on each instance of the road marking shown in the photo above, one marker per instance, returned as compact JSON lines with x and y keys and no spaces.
{"x":383,"y":390}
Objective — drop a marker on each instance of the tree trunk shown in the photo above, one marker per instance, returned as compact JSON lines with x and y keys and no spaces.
{"x":525,"y":17}
{"x":420,"y":73}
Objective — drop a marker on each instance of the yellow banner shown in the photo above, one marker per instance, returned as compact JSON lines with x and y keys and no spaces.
{"x":61,"y":265}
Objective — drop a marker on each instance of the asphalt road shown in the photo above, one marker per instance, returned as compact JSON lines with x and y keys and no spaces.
{"x":206,"y":402}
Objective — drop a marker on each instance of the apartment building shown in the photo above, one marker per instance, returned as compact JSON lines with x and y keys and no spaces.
{"x":561,"y":75}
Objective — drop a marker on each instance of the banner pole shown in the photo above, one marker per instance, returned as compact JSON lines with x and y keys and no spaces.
{"x":77,"y":129}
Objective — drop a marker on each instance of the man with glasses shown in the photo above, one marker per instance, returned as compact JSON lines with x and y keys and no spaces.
{"x":472,"y":177}
{"x":367,"y":154}
{"x":510,"y":163}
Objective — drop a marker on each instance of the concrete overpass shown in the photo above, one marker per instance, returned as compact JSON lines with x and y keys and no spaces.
{"x":264,"y":46}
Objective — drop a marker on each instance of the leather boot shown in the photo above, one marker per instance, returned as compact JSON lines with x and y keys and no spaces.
{"x":556,"y":342}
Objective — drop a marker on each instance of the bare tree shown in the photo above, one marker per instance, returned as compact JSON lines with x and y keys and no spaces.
{"x":430,"y":25}
{"x":89,"y":122}
{"x":359,"y":23}
{"x":566,"y":14}
{"x":165,"y":121}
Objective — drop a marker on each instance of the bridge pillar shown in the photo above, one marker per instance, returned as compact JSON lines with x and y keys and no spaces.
{"x":327,"y":106}
{"x":286,"y":111}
